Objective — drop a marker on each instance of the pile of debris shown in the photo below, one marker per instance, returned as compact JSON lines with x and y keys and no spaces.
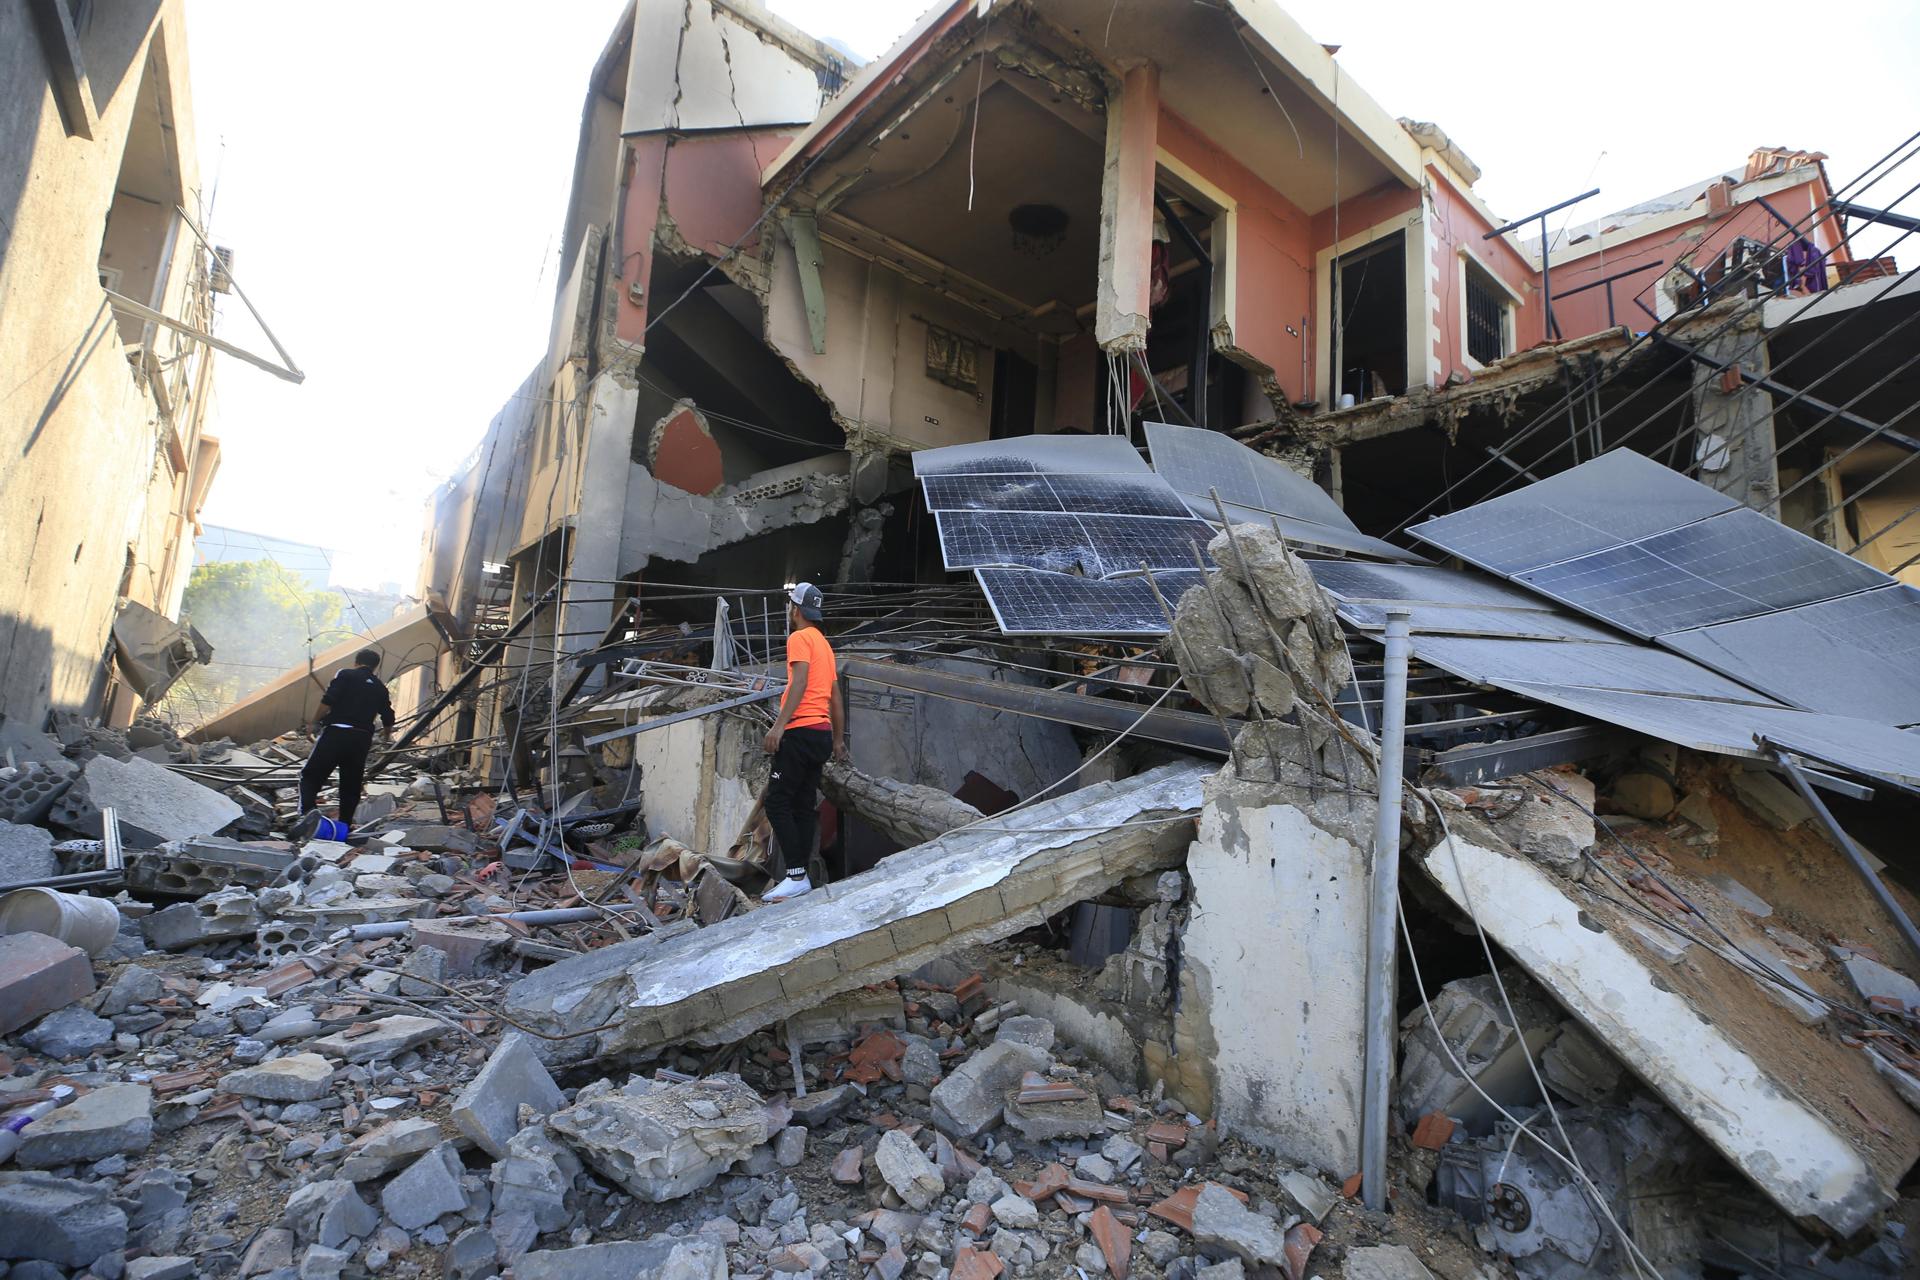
{"x":1645,"y":1032}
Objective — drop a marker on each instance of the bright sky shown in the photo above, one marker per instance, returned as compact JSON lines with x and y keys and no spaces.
{"x":392,"y":178}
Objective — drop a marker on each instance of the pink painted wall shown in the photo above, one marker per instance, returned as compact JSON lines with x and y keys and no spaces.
{"x":1273,"y":266}
{"x":1453,"y":223}
{"x":1705,"y":237}
{"x":712,"y":184}
{"x":1366,"y":209}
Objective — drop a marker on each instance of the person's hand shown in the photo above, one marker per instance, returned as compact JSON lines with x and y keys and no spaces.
{"x":840,"y":752}
{"x":772,"y":742}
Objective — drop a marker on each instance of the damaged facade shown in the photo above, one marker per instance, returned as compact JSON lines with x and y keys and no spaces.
{"x":1021,"y":342}
{"x":105,"y":412}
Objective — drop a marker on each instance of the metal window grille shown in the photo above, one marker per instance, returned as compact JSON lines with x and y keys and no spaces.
{"x":1486,"y":319}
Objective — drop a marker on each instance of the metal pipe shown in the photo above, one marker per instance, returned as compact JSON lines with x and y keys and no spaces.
{"x":1861,"y":867}
{"x":1384,"y":895}
{"x":551,"y":915}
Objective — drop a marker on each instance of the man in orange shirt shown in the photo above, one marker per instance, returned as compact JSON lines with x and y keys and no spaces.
{"x":810,"y":729}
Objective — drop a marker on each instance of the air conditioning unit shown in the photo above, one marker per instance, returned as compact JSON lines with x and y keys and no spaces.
{"x":222,"y":279}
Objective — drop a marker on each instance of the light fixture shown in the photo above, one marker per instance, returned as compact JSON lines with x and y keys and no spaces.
{"x":1038,"y":229}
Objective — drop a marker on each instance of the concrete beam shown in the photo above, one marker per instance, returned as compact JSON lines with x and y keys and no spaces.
{"x":1758,"y":1118}
{"x":290,"y":699}
{"x":66,"y":71}
{"x":717,"y":984}
{"x":1126,"y":212}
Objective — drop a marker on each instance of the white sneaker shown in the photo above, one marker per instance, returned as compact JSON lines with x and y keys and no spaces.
{"x":795,"y":884}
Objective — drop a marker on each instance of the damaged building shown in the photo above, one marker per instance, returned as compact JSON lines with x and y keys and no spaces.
{"x":111,"y":291}
{"x":1378,"y":746}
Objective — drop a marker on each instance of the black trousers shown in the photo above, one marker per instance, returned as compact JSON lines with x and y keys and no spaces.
{"x":793,"y":801}
{"x":342,"y":749}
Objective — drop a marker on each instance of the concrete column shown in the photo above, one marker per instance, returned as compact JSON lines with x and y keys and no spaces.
{"x":611,"y":408}
{"x":1733,"y":430}
{"x":1126,"y":211}
{"x":1274,"y":968}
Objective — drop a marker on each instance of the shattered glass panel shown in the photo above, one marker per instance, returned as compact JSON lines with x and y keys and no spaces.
{"x":1855,"y":656}
{"x":1031,"y":603}
{"x":1032,"y":454}
{"x":1616,"y":498}
{"x":1095,"y":546}
{"x":1734,"y":565}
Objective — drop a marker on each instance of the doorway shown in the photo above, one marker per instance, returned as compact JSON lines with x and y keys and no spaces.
{"x":1370,"y":332}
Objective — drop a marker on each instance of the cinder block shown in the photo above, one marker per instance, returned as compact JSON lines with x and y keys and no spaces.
{"x":39,"y":974}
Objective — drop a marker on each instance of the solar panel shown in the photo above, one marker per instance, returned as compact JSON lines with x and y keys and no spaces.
{"x":1117,"y":495}
{"x":1194,"y":460}
{"x":1096,"y":546}
{"x":1733,"y":565}
{"x":1027,"y":492}
{"x":1354,"y":580}
{"x":1026,"y":602}
{"x":1050,"y":453}
{"x":1255,"y":489}
{"x":1113,"y":494}
{"x":1629,"y":667}
{"x":1858,"y":655}
{"x":1305,"y":532}
{"x":1617,"y":498}
{"x":1473,"y":620}
{"x":1729,"y":728}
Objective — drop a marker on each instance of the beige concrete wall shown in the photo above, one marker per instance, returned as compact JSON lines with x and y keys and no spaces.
{"x":874,"y":368}
{"x":95,"y":481}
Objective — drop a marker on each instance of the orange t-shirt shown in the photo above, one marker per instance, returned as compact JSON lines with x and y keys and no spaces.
{"x":815,"y":710}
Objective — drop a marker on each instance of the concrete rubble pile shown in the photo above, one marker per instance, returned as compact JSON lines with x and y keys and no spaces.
{"x":357,"y":1059}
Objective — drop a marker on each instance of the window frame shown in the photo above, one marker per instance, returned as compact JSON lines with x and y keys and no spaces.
{"x":1510,"y":301}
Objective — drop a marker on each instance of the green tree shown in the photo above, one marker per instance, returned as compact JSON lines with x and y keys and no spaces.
{"x":261,"y":620}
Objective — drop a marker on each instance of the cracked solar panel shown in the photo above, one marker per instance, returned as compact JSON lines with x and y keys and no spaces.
{"x":1026,"y":602}
{"x":1095,"y":546}
{"x":1046,"y":453}
{"x":1119,"y":495}
{"x":1858,"y":655}
{"x":1617,"y":498}
{"x":1734,"y":565}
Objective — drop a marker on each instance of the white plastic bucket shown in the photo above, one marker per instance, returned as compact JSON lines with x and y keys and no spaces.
{"x":76,"y":919}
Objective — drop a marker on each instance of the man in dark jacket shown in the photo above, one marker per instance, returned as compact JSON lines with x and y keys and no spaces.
{"x":345,"y":721}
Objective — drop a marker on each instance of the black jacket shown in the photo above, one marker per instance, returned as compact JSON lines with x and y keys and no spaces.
{"x":355,"y":697}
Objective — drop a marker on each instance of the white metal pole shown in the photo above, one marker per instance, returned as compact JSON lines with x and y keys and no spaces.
{"x":1383,"y":899}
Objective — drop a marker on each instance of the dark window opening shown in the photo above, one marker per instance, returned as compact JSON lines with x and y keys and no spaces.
{"x":1016,"y":382}
{"x":1486,"y":318}
{"x":1370,"y":337}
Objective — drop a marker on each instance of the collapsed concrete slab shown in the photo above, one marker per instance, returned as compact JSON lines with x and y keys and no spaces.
{"x":154,"y":804}
{"x":967,"y":887}
{"x":1777,"y":1124}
